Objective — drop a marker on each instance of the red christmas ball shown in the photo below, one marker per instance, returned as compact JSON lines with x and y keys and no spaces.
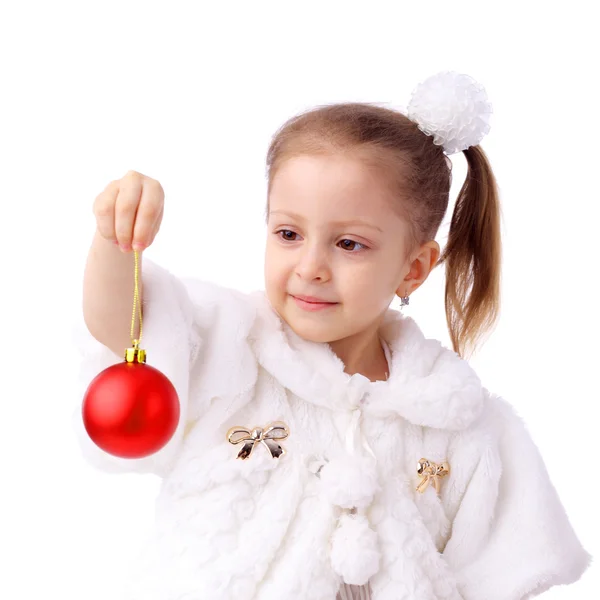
{"x":130,"y":410}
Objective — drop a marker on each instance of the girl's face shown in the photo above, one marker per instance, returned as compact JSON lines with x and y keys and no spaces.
{"x":332,"y":235}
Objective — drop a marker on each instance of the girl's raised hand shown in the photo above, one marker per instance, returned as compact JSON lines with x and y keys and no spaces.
{"x":129,"y":211}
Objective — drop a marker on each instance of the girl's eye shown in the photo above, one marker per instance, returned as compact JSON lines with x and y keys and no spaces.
{"x":349,"y":245}
{"x":353,"y":245}
{"x":286,"y":231}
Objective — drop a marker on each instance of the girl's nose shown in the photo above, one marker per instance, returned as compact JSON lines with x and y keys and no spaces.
{"x":313,"y":264}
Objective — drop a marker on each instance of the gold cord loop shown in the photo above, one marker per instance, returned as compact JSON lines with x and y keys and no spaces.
{"x":135,"y":353}
{"x":136,"y":304}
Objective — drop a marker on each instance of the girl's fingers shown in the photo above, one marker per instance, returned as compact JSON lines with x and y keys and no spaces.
{"x":148,"y":214}
{"x":129,"y":211}
{"x":104,"y":210}
{"x":126,"y":205}
{"x":156,"y":225}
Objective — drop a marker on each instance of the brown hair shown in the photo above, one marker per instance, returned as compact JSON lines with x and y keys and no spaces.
{"x":419,"y":175}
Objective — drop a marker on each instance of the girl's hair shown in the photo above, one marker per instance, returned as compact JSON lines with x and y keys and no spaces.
{"x":418,"y":175}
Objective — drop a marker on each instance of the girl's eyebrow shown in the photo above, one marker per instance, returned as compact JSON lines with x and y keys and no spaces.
{"x":336,"y":223}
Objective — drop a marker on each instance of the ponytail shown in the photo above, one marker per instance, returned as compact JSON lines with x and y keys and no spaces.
{"x":473,"y":256}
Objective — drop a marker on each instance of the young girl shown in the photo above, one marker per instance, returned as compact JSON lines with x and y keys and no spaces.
{"x":326,"y":449}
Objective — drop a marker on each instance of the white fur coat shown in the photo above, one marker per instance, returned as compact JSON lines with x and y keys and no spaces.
{"x":341,"y":504}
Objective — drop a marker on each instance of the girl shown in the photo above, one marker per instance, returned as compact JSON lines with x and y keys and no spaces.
{"x":326,"y":449}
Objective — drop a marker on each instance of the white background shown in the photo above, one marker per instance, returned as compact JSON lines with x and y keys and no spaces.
{"x":189,"y":94}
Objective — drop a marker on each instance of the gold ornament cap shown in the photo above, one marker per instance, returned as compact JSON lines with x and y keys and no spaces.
{"x":135,"y":354}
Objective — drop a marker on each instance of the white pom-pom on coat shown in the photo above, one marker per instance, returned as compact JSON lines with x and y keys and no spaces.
{"x":349,"y":481}
{"x":355,"y":554}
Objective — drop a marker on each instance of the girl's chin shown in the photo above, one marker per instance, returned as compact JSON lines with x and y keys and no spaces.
{"x":311,"y":329}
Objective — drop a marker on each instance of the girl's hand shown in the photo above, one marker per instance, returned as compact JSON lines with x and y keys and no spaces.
{"x":129,"y":211}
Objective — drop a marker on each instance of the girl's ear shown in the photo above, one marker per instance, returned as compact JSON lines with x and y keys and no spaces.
{"x":424,"y":261}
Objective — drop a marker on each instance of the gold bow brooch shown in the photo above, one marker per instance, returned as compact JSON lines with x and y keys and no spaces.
{"x":267,"y":436}
{"x":431,"y":472}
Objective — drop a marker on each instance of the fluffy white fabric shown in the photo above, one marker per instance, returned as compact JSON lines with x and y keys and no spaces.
{"x":355,"y":555}
{"x":350,"y":481}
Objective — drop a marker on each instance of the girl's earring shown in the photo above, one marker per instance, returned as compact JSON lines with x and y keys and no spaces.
{"x":404,"y":301}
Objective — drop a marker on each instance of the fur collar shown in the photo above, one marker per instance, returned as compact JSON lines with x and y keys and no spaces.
{"x":428,"y":385}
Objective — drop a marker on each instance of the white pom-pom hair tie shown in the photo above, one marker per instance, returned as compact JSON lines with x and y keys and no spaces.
{"x":453,"y":108}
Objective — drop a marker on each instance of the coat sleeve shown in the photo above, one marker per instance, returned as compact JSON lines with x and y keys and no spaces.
{"x":511,"y":537}
{"x":189,"y":327}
